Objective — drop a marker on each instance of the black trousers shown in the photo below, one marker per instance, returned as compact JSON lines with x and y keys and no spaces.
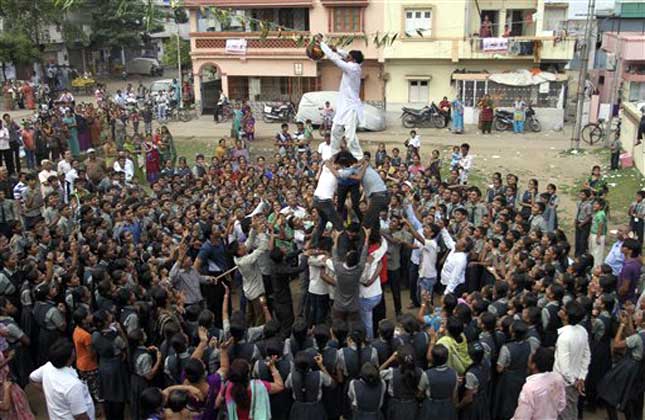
{"x":326,"y":213}
{"x":637,"y":228}
{"x":355,"y":194}
{"x":15,"y":152}
{"x":214,"y":296}
{"x":378,"y":202}
{"x":615,"y":161}
{"x":378,"y":313}
{"x":6,"y":156}
{"x":413,"y":279}
{"x":394,"y":280}
{"x":582,"y":239}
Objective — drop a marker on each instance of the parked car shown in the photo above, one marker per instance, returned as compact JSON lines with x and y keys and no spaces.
{"x":144,"y":65}
{"x":312,"y":103}
{"x":159,"y":85}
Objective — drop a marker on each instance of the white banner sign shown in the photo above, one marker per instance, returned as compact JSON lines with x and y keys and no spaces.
{"x":494,"y":44}
{"x":236,"y":46}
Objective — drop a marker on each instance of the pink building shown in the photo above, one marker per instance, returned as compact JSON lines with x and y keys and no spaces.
{"x":625,"y":59}
{"x":276,"y":68}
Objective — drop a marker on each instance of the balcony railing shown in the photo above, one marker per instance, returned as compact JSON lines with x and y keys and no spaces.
{"x":283,"y":41}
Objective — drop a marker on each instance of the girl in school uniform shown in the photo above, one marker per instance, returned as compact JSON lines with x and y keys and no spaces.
{"x":439,"y":387}
{"x":306,"y":387}
{"x":350,"y":361}
{"x":512,"y":365}
{"x":280,"y":402}
{"x":475,"y":402}
{"x":329,"y":350}
{"x":366,"y":394}
{"x":402,"y":383}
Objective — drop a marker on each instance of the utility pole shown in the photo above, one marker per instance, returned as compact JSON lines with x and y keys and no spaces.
{"x":582,"y":75}
{"x":181,"y":96}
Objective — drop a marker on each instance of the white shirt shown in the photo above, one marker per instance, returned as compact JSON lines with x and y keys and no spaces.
{"x":415,"y":142}
{"x":349,"y":99}
{"x":66,"y":395}
{"x":298,"y":211}
{"x":466,"y":162}
{"x":317,"y":285}
{"x":329,"y":266}
{"x":326,"y":186}
{"x":428,"y":262}
{"x":128,"y":168}
{"x":4,"y":138}
{"x":373,"y":289}
{"x":324,"y":150}
{"x":572,"y":353}
{"x":63,"y":167}
{"x":453,"y":272}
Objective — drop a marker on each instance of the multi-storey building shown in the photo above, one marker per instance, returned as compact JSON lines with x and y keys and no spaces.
{"x":446,"y":49}
{"x":274,"y":67}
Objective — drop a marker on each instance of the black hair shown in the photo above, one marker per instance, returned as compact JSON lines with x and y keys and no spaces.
{"x":194,"y":370}
{"x":455,"y":328}
{"x":302,"y":364}
{"x":239,"y":377}
{"x":543,"y":358}
{"x":489,"y":321}
{"x":274,"y":347}
{"x":177,"y":401}
{"x":321,"y":335}
{"x":369,"y":374}
{"x":352,"y":259}
{"x":407,"y":366}
{"x":61,"y":352}
{"x":151,"y":402}
{"x":299,"y":335}
{"x":439,"y":355}
{"x":634,"y":247}
{"x":519,"y":329}
{"x":476,"y":352}
{"x":340,"y":329}
{"x":357,"y":56}
{"x":449,"y":302}
{"x":575,"y":312}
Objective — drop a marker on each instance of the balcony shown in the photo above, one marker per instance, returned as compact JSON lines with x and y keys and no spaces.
{"x":518,"y":48}
{"x":634,"y":77}
{"x":630,"y":46}
{"x":214,"y":43}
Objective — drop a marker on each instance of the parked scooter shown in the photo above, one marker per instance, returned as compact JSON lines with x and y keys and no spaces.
{"x":283,"y":113}
{"x":428,"y":116}
{"x":504,"y":120}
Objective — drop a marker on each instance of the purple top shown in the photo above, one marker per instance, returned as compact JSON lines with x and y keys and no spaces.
{"x":207,"y":407}
{"x":630,"y":273}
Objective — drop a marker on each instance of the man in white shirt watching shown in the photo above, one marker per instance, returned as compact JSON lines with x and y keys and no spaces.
{"x":572,"y":356}
{"x":349,"y":108}
{"x":67,"y":396}
{"x":324,"y":148}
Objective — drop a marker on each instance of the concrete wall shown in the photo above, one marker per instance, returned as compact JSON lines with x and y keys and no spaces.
{"x":440,"y":71}
{"x":628,"y":132}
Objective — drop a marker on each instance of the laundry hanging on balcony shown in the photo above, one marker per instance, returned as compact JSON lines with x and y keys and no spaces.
{"x":236,"y":46}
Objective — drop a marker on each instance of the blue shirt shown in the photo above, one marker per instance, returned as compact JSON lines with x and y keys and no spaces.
{"x":135,"y":230}
{"x":213,"y":257}
{"x":615,"y":258}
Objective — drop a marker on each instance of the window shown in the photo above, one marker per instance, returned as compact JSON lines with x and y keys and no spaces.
{"x":418,"y":21}
{"x":418,"y":91}
{"x":636,"y":91}
{"x":347,"y":19}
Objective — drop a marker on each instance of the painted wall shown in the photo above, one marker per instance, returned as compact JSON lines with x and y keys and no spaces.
{"x":400,"y":71}
{"x":628,"y":132}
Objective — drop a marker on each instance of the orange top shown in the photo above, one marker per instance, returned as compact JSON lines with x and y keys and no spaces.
{"x":85,"y":356}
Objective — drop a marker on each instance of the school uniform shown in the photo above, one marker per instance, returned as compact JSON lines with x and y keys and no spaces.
{"x":550,"y":323}
{"x":366,"y":400}
{"x":49,"y":320}
{"x":349,"y":362}
{"x":514,"y":357}
{"x":478,"y":381}
{"x":307,"y":391}
{"x":622,"y":387}
{"x":439,"y":385}
{"x":602,"y":332}
{"x":281,"y":402}
{"x":419,"y":342}
{"x":141,"y":365}
{"x":401,"y":400}
{"x":334,"y":393}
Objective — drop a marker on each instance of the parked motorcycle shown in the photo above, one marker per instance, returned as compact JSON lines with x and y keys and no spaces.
{"x":282,"y":113}
{"x":504,"y":120}
{"x":428,"y":116}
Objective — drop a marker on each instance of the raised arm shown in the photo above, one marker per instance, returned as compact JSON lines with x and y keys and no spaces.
{"x":335,"y":58}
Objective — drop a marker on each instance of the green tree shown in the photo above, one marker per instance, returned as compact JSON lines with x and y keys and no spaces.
{"x":17,"y":48}
{"x":170,"y":52}
{"x":119,"y":24}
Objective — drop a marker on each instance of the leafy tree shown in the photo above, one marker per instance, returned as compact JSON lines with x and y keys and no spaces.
{"x":170,"y":52}
{"x":119,"y":24}
{"x":18,"y":49}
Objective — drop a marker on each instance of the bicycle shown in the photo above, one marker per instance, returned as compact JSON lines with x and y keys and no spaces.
{"x":593,"y":133}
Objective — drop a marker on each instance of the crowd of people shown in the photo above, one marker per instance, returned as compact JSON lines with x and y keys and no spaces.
{"x":275,"y":286}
